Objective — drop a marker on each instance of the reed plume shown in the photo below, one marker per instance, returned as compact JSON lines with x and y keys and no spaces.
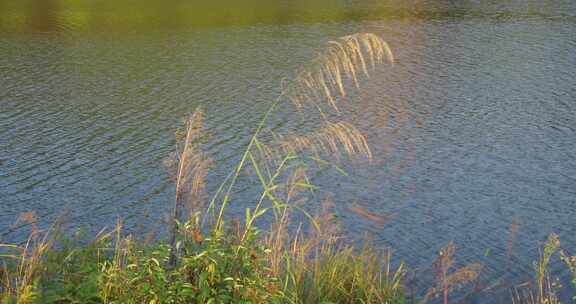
{"x":191,"y":167}
{"x":446,"y":280}
{"x":318,"y":84}
{"x":321,"y":85}
{"x":332,"y":139}
{"x":344,"y":58}
{"x":323,"y":82}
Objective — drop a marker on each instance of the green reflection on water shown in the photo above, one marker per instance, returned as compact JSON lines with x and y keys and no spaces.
{"x":32,"y":16}
{"x":108,"y":15}
{"x":145,"y":15}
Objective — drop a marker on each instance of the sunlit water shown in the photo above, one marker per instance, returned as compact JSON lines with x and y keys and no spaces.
{"x":472,"y":127}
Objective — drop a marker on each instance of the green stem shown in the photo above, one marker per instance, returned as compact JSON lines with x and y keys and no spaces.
{"x":241,"y":164}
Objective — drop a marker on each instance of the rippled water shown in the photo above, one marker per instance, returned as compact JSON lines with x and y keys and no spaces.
{"x":474,"y":125}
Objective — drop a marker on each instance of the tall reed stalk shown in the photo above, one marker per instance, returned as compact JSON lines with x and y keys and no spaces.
{"x":191,"y":168}
{"x":319,"y":85}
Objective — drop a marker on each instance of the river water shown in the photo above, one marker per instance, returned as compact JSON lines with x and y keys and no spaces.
{"x":472,"y":128}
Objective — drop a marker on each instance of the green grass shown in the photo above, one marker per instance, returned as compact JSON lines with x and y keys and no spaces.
{"x":231,"y":267}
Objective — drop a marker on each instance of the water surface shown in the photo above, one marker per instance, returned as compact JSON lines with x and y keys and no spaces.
{"x":471,"y":128}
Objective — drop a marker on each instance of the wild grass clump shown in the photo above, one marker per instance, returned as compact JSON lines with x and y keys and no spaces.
{"x":343,"y":275}
{"x":214,"y":269}
{"x":209,"y":259}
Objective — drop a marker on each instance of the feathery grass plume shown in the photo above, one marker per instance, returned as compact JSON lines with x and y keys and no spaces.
{"x":322,"y":83}
{"x":344,"y":58}
{"x":324,"y":80}
{"x":188,"y":162}
{"x":332,"y":139}
{"x":191,"y":167}
{"x":448,"y":281}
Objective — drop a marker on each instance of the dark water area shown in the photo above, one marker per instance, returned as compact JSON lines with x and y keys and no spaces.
{"x":474,"y":125}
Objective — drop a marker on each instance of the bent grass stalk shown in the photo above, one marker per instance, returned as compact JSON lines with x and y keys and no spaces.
{"x":322,"y":81}
{"x":192,"y":166}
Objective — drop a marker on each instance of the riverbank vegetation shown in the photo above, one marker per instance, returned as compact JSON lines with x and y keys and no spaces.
{"x":282,"y":251}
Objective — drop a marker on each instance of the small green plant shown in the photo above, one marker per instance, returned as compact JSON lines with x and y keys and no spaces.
{"x":546,"y":292}
{"x":545,"y":288}
{"x":22,"y":266}
{"x":224,"y":270}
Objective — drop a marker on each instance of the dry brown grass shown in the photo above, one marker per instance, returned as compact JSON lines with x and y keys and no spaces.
{"x":189,"y":163}
{"x":378,"y":219}
{"x":191,"y":167}
{"x":447,"y":280}
{"x":316,"y":267}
